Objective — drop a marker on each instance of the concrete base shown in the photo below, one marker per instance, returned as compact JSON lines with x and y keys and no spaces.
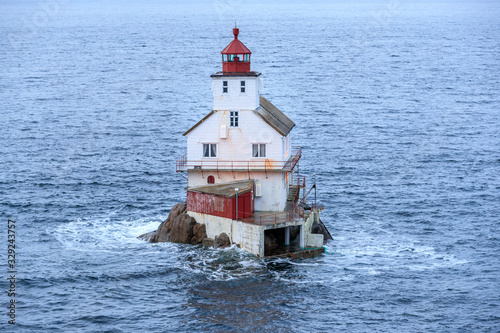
{"x":304,"y":253}
{"x":250,"y":236}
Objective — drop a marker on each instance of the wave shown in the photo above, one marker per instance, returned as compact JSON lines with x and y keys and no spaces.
{"x":371,"y":243}
{"x":102,"y":235}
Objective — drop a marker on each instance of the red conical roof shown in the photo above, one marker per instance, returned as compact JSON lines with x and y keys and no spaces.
{"x":236,"y":47}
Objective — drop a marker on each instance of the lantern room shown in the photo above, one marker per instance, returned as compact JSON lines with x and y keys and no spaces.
{"x":236,"y":56}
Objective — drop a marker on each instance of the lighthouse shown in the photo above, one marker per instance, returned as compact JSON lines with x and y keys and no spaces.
{"x":241,"y":168}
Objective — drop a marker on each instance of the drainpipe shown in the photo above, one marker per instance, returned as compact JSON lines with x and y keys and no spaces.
{"x":236,"y":190}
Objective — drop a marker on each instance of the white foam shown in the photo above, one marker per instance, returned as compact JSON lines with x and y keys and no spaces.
{"x":223,"y":264}
{"x":371,"y":244}
{"x":102,"y":235}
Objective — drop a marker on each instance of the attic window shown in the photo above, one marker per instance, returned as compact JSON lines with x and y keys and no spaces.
{"x":209,"y":150}
{"x":234,"y":118}
{"x":259,"y":150}
{"x":242,"y":86}
{"x":224,"y":86}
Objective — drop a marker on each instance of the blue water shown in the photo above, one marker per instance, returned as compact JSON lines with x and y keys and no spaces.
{"x":397,"y":108}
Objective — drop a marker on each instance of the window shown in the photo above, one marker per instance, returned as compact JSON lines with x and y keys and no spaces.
{"x":224,"y":86}
{"x":242,"y":86}
{"x":211,"y":180}
{"x":233,"y":118}
{"x":259,"y":150}
{"x":209,"y":150}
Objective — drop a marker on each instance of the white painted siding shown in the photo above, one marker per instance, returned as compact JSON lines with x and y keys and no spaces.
{"x":287,"y":147}
{"x":234,"y":99}
{"x":235,"y":143}
{"x":238,"y":144}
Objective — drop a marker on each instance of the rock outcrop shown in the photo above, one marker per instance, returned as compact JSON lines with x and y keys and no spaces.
{"x":199,"y":233}
{"x":179,"y":227}
{"x":222,"y":241}
{"x":320,"y":228}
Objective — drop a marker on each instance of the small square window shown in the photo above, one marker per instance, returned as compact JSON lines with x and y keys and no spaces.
{"x":242,"y":86}
{"x":224,"y":86}
{"x":233,"y":118}
{"x":259,"y":150}
{"x":209,"y":150}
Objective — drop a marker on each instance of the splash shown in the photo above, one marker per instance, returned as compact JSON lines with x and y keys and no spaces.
{"x":223,"y":264}
{"x":103,"y":235}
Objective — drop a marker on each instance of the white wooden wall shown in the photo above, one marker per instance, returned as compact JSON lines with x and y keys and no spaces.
{"x":235,"y":143}
{"x":234,"y":99}
{"x":238,"y":144}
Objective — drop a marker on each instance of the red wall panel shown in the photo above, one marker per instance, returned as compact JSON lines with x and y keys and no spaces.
{"x":220,"y":206}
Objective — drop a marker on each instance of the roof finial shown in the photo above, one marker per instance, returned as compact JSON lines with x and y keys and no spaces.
{"x":235,"y":24}
{"x":236,"y":31}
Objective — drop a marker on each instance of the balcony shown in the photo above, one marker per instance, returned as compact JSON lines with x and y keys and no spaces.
{"x":183,"y":164}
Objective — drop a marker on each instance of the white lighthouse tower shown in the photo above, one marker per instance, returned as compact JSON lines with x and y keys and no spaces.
{"x":241,"y":169}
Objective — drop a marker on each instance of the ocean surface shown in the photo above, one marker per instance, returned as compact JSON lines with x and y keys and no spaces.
{"x":397,"y":106}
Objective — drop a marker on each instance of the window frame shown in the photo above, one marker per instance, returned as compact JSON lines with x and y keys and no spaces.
{"x":210,"y":150}
{"x":259,"y":150}
{"x":225,"y":86}
{"x":243,"y":87}
{"x":234,"y":119}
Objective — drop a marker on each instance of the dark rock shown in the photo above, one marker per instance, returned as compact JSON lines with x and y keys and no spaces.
{"x":294,"y":232}
{"x":147,"y":236}
{"x":177,"y":228}
{"x":222,"y":241}
{"x":182,"y":229}
{"x":320,"y":228}
{"x":273,"y":238}
{"x":199,"y":233}
{"x":209,"y":242}
{"x":270,"y":242}
{"x":163,"y":231}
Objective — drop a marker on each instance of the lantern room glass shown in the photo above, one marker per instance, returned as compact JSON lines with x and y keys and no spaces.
{"x":236,"y":57}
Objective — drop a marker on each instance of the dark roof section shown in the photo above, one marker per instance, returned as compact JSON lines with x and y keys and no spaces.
{"x":274,"y":117}
{"x":198,"y":123}
{"x":225,"y":189}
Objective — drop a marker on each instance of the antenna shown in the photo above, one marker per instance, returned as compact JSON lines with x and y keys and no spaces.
{"x":235,"y":24}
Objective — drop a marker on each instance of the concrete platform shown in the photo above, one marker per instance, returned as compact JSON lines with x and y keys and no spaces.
{"x":296,"y":253}
{"x":272,"y":218}
{"x":250,"y":233}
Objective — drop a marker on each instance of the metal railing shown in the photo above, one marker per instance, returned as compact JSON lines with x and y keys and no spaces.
{"x":300,"y":181}
{"x":294,"y":159}
{"x":183,"y":164}
{"x":296,"y":213}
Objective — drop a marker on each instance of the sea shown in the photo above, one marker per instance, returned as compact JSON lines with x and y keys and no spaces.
{"x":397,"y":109}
